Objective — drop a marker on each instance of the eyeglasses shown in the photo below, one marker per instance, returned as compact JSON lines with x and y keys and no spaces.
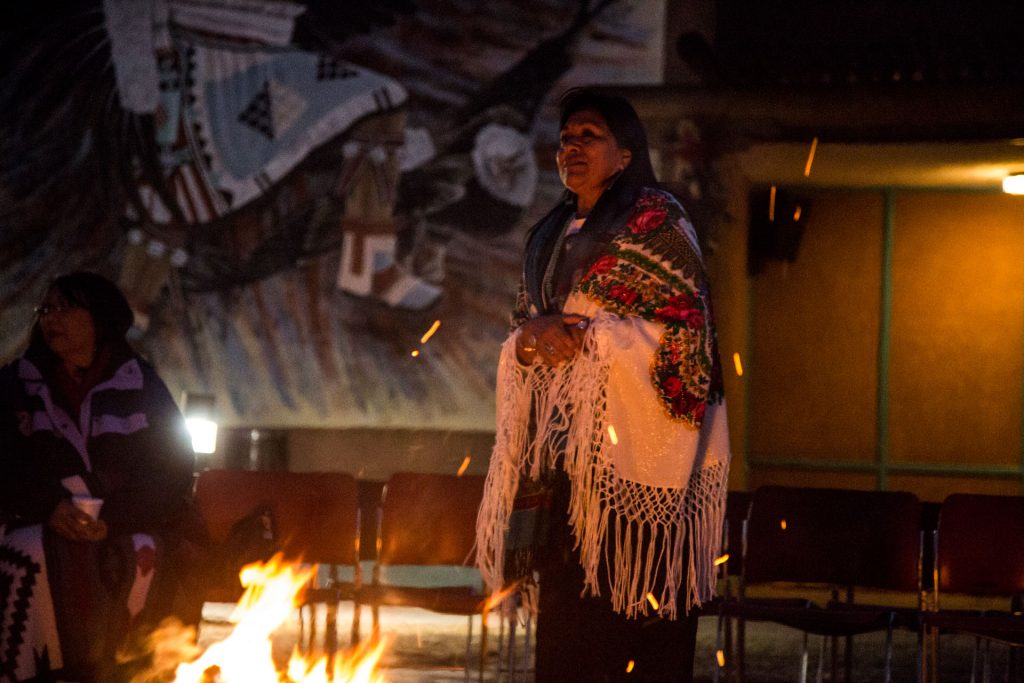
{"x":53,"y":308}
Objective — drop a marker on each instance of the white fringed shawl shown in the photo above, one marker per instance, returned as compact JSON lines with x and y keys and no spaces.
{"x":649,"y":370}
{"x":572,"y":407}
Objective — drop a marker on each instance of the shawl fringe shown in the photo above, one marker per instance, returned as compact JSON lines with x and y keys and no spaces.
{"x":666,"y":539}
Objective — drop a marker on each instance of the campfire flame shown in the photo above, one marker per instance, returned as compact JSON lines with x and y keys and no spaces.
{"x":272,"y":593}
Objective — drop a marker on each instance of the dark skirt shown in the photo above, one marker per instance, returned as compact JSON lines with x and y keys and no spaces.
{"x":583,"y":639}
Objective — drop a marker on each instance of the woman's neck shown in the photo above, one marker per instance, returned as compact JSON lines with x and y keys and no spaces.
{"x":76,"y":363}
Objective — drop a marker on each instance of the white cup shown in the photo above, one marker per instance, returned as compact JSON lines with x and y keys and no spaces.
{"x":89,"y":505}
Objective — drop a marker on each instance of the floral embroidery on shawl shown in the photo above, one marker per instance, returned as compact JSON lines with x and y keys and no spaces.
{"x":652,"y":272}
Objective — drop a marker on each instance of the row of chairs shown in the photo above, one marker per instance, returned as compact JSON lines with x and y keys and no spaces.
{"x":817,"y":549}
{"x":422,"y":519}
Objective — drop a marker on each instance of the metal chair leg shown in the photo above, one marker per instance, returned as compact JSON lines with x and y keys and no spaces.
{"x":888,"y":650}
{"x":469,"y":648}
{"x":974,"y":659}
{"x":819,"y":675}
{"x":803,"y":661}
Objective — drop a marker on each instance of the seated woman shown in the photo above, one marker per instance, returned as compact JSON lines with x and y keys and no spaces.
{"x":95,"y":472}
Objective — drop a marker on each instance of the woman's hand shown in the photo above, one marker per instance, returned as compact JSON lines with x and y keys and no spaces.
{"x":552,"y":338}
{"x":75,"y":525}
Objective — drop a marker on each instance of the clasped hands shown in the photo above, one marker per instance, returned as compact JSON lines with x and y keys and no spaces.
{"x":550,"y":339}
{"x":75,"y":525}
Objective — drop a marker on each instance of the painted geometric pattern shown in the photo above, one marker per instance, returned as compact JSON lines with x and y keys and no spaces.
{"x":17,"y":579}
{"x":257,"y":113}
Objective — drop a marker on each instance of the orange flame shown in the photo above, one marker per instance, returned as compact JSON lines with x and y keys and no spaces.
{"x":722,"y":560}
{"x":463,"y":466}
{"x":720,"y":657}
{"x":272,"y":592}
{"x":653,"y":600}
{"x":629,"y":667}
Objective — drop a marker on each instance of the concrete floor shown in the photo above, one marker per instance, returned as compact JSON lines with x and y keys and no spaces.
{"x":428,"y":647}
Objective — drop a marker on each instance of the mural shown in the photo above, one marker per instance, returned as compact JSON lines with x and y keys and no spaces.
{"x":292,"y":194}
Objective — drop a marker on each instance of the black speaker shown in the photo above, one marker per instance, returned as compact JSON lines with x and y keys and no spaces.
{"x":777,"y":219}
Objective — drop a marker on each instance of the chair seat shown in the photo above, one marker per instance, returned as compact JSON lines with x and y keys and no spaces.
{"x":833,"y":619}
{"x":1005,"y":627}
{"x":446,"y":600}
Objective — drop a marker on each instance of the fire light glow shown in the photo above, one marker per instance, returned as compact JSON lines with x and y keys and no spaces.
{"x":272,"y":593}
{"x":463,"y":466}
{"x":653,"y":600}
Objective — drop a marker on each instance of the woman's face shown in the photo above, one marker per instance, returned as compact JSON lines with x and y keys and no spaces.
{"x":67,"y":329}
{"x":588,"y":155}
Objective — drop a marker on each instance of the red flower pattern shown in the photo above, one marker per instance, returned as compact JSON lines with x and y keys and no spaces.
{"x":603,"y":265}
{"x":672,"y":386}
{"x":648,"y":220}
{"x":624,"y":294}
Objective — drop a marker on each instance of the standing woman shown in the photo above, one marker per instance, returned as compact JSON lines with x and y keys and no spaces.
{"x":610,"y":392}
{"x":83,"y":416}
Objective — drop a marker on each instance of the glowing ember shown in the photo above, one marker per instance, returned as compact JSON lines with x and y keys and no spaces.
{"x":498,"y":597}
{"x":797,"y":212}
{"x":612,"y":435}
{"x":738,"y":363}
{"x":810,"y":157}
{"x":415,"y":353}
{"x":771,"y":204}
{"x":721,"y":560}
{"x":653,"y":600}
{"x":782,"y":525}
{"x":629,"y":667}
{"x":272,"y":593}
{"x":430,"y":333}
{"x":463,"y":466}
{"x":720,"y":656}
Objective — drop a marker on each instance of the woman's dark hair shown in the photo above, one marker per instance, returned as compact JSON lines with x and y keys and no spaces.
{"x":111,"y":314}
{"x":624,"y":124}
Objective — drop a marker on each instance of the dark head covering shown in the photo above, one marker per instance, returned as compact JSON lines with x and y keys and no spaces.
{"x":111,"y":314}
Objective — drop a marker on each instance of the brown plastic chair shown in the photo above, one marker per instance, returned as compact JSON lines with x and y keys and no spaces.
{"x":428,"y":520}
{"x":837,"y":540}
{"x":316,"y":515}
{"x":979,"y":552}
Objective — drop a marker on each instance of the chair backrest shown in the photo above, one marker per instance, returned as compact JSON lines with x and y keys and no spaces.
{"x":838,"y":537}
{"x":429,"y":519}
{"x":980,"y":548}
{"x":316,"y":513}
